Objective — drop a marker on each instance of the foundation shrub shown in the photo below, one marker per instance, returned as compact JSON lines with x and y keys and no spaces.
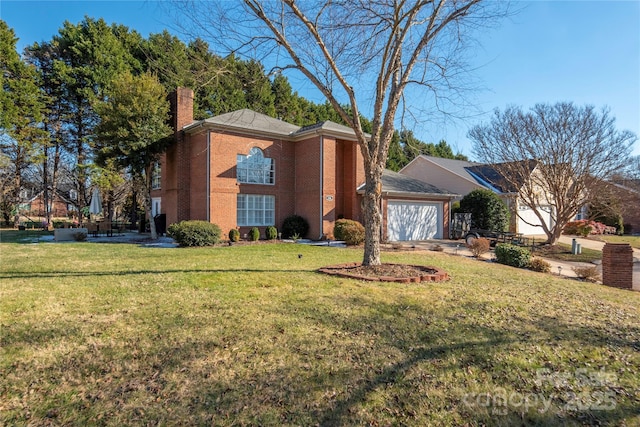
{"x":195,"y":233}
{"x":295,"y":225}
{"x":254,"y":234}
{"x":271,"y":232}
{"x":348,"y":230}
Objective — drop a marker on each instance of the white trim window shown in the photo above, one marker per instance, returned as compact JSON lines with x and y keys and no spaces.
{"x":255,"y":168}
{"x":156,"y":177}
{"x":256,"y":210}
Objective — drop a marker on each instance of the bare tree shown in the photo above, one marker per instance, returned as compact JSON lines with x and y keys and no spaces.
{"x":355,"y":51}
{"x":554,"y":156}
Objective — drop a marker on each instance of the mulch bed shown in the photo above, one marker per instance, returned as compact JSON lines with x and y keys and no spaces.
{"x":402,"y":273}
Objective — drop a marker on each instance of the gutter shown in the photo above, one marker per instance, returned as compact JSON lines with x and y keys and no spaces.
{"x":321,"y":184}
{"x":208,"y":204}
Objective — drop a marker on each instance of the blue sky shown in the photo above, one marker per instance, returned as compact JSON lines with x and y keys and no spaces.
{"x":587,"y":52}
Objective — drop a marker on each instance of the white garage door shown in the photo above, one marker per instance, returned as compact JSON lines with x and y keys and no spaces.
{"x":413,"y":220}
{"x":528,"y":221}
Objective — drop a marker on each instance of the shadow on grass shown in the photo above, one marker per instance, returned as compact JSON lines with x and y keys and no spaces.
{"x":69,"y":273}
{"x":344,"y":359}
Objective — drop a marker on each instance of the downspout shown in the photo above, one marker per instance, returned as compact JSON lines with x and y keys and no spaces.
{"x":208,"y":204}
{"x":321,"y":184}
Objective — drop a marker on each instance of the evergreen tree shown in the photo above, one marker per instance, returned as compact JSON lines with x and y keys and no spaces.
{"x":21,"y":113}
{"x":133,"y":131}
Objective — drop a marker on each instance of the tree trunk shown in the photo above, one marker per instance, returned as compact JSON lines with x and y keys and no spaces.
{"x":147,"y":201}
{"x":373,"y":218}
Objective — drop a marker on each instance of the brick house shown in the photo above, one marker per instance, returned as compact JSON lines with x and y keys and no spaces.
{"x":245,"y":169}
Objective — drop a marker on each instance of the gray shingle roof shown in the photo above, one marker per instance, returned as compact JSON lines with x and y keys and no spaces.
{"x":249,"y":120}
{"x":393,"y":182}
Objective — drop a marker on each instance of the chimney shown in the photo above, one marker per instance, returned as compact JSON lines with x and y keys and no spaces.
{"x":181,"y":104}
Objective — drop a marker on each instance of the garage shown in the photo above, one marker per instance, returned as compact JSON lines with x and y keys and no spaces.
{"x":414,"y":220}
{"x":528,"y":222}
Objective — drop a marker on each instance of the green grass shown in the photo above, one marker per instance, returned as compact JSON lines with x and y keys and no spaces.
{"x":562,"y":252}
{"x":634,"y":241}
{"x":112,"y":334}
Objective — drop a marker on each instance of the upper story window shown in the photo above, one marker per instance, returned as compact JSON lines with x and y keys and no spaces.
{"x":254,"y":168}
{"x":156,"y":177}
{"x":73,"y":195}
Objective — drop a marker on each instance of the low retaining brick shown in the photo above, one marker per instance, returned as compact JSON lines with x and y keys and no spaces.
{"x":428,"y":274}
{"x":67,"y":234}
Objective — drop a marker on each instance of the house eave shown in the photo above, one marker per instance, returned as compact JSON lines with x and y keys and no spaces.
{"x":414,"y":195}
{"x":203,"y":125}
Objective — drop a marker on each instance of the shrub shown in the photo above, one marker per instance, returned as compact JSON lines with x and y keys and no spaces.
{"x":271,"y":232}
{"x":295,"y":225}
{"x":479,"y":246}
{"x":234,"y":235}
{"x":488,"y":211}
{"x":348,"y":230}
{"x":195,"y":233}
{"x":540,"y":265}
{"x":79,"y":236}
{"x":254,"y":234}
{"x":512,"y":255}
{"x":584,"y":227}
{"x":587,"y":273}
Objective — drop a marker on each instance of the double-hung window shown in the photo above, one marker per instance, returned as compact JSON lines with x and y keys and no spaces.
{"x":256,"y":210}
{"x":254,"y":168}
{"x":156,"y":176}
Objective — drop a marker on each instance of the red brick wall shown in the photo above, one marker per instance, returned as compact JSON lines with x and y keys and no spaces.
{"x":224,"y":186}
{"x":307,"y":183}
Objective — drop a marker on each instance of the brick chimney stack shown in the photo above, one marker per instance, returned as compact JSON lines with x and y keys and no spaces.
{"x":181,"y":102}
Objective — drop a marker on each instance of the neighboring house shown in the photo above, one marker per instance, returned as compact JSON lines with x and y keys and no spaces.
{"x":33,"y":204}
{"x":462,"y":177}
{"x":244,"y":169}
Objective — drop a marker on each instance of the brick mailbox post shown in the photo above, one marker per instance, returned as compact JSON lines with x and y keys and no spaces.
{"x":617,"y":265}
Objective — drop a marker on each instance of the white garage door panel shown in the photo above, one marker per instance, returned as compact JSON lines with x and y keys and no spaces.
{"x":533,"y":227}
{"x":414,"y":221}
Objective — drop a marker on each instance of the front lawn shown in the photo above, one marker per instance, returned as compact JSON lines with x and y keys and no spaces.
{"x":632,"y":240}
{"x":117,"y":334}
{"x":562,"y":252}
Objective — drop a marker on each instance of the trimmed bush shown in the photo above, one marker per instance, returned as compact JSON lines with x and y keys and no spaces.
{"x":488,"y":211}
{"x":271,"y":232}
{"x":348,"y":230}
{"x":295,"y":225}
{"x":479,"y":246}
{"x":80,"y":237}
{"x":540,"y":265}
{"x":254,"y":234}
{"x":589,"y":274}
{"x":512,"y":255}
{"x":234,"y":235}
{"x":195,"y":233}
